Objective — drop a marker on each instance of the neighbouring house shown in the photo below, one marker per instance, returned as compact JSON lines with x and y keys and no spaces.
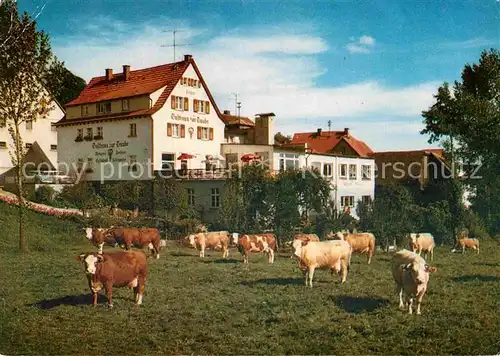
{"x":39,"y":139}
{"x":131,"y":124}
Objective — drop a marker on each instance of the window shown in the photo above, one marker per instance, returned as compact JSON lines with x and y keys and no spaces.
{"x":327,"y":170}
{"x":28,"y":145}
{"x":343,"y":171}
{"x":200,"y":106}
{"x":215,"y":198}
{"x":89,"y":135}
{"x":53,"y":147}
{"x":347,"y":200}
{"x":3,"y":122}
{"x":132,"y":163}
{"x":103,"y":108}
{"x":180,"y":103}
{"x":352,"y":171}
{"x":205,"y":132}
{"x":29,"y":125}
{"x":53,"y":127}
{"x":125,"y":104}
{"x":99,"y":133}
{"x":288,"y":160}
{"x":190,"y":194}
{"x":366,"y":199}
{"x":366,"y":172}
{"x":133,"y":130}
{"x":85,"y":110}
{"x":176,"y":130}
{"x":167,"y":161}
{"x":3,"y":144}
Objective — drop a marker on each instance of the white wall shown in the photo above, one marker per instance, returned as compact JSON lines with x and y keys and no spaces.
{"x":188,"y":144}
{"x":115,"y":139}
{"x":41,"y":132}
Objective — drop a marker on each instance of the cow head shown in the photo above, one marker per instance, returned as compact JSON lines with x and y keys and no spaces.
{"x":419,"y":272}
{"x":412,"y":240}
{"x":234,"y":238}
{"x":88,"y":232}
{"x":191,"y":240}
{"x":90,"y":261}
{"x":338,"y":235}
{"x":297,"y":247}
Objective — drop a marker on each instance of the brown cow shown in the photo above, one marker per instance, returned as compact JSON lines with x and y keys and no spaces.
{"x":464,"y":242}
{"x":256,"y":243}
{"x":363,"y":242}
{"x":216,"y":239}
{"x":422,"y":242}
{"x":129,"y":236}
{"x":115,"y":269}
{"x":306,"y":237}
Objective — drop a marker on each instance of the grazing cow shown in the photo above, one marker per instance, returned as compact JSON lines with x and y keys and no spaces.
{"x":302,"y":237}
{"x":422,"y":242}
{"x":130,"y":236}
{"x":216,"y":240}
{"x":411,"y":274}
{"x":464,"y":242}
{"x":363,"y":242}
{"x":333,"y":255}
{"x":256,"y":243}
{"x":115,"y":269}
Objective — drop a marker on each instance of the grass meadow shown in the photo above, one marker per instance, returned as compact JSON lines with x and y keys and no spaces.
{"x":216,"y":306}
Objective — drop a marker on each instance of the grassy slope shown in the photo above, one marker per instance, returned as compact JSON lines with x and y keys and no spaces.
{"x":223,"y":307}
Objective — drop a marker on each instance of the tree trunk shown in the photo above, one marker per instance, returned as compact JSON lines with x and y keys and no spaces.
{"x":19,"y":182}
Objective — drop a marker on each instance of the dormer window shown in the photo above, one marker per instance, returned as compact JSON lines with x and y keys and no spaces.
{"x":103,"y":108}
{"x":125,"y":104}
{"x":85,"y":110}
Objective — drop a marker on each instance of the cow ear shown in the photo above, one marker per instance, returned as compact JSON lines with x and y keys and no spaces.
{"x":430,"y":269}
{"x":304,"y":243}
{"x":80,"y":257}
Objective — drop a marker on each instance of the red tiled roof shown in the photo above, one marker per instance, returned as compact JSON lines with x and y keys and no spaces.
{"x":328,"y":140}
{"x":236,"y":120}
{"x":141,"y":82}
{"x":436,"y":151}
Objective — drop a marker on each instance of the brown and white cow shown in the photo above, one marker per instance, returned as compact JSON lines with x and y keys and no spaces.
{"x":129,"y":236}
{"x":422,"y":242}
{"x":411,"y":274}
{"x":464,"y":242}
{"x":115,"y":269}
{"x":256,"y":243}
{"x":332,"y":255}
{"x":363,"y":242}
{"x":214,"y":239}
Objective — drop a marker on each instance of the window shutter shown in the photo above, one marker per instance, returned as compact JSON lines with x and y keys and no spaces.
{"x":207,"y":110}
{"x":172,"y":102}
{"x":183,"y":130}
{"x":199,"y":132}
{"x":186,"y":104}
{"x":169,"y":129}
{"x":211,"y":134}
{"x":195,"y":105}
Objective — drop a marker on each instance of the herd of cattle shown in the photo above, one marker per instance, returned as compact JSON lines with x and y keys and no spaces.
{"x":130,"y":268}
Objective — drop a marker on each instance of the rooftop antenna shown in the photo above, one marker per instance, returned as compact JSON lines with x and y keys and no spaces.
{"x":174,"y":44}
{"x":238,"y":106}
{"x":236,"y":102}
{"x":329,"y":125}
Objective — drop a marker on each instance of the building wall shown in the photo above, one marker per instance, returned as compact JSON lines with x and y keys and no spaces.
{"x":203,"y":197}
{"x":190,"y":143}
{"x":41,"y":132}
{"x":343,"y":148}
{"x":111,"y":155}
{"x":135,"y":103}
{"x":234,"y":152}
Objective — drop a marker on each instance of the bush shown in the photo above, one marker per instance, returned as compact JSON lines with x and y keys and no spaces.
{"x":45,"y":195}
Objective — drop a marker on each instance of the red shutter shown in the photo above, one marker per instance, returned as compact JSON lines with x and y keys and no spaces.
{"x":169,"y":129}
{"x":211,"y":134}
{"x":186,"y":104}
{"x":207,"y":110}
{"x":199,"y":132}
{"x":183,"y":130}
{"x":195,"y":105}
{"x":172,"y":102}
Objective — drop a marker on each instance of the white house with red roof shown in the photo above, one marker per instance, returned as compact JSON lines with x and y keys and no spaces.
{"x":130,"y":124}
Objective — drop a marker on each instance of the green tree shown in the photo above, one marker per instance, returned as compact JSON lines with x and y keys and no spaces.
{"x":285,"y":200}
{"x":468,"y":116}
{"x":256,"y":186}
{"x":231,"y":215}
{"x":313,"y":191}
{"x":64,"y":85}
{"x":25,"y":64}
{"x":82,"y":195}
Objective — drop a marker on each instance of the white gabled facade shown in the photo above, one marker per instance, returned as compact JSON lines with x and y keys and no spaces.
{"x":41,"y":131}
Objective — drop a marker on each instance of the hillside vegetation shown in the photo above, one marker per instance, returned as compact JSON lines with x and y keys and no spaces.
{"x":216,"y":306}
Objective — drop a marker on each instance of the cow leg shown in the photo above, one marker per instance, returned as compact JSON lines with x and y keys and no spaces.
{"x":419,"y":302}
{"x":410,"y":305}
{"x":141,"y":284}
{"x":270,"y":254}
{"x":311,"y":275}
{"x":245,"y":257}
{"x":344,"y":270}
{"x":225,"y":252}
{"x":109,"y":293}
{"x":94,"y":298}
{"x":463,"y":249}
{"x":202,"y":251}
{"x":401,"y":302}
{"x":156,"y":246}
{"x":369,"y":256}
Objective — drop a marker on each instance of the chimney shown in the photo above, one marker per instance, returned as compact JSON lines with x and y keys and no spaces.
{"x":227,"y":112}
{"x":346,"y":131}
{"x":319,"y":132}
{"x":109,"y":73}
{"x":126,"y":72}
{"x":187,"y":57}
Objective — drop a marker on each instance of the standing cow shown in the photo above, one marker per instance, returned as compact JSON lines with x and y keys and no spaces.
{"x":411,"y":274}
{"x":256,"y":243}
{"x":115,"y":269}
{"x":363,"y":242}
{"x":422,"y":242}
{"x":333,"y":255}
{"x":216,"y":239}
{"x":464,"y":242}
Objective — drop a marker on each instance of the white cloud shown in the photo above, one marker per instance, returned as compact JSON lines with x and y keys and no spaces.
{"x":363,"y":44}
{"x":275,"y":73}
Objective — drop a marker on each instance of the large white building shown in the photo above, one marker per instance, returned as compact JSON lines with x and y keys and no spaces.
{"x":131,"y":124}
{"x":42,"y":131}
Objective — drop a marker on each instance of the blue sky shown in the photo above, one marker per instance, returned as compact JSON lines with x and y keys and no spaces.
{"x":372,"y":66}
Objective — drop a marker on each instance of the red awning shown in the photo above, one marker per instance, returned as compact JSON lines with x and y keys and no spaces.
{"x":185,"y":156}
{"x":249,"y":157}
